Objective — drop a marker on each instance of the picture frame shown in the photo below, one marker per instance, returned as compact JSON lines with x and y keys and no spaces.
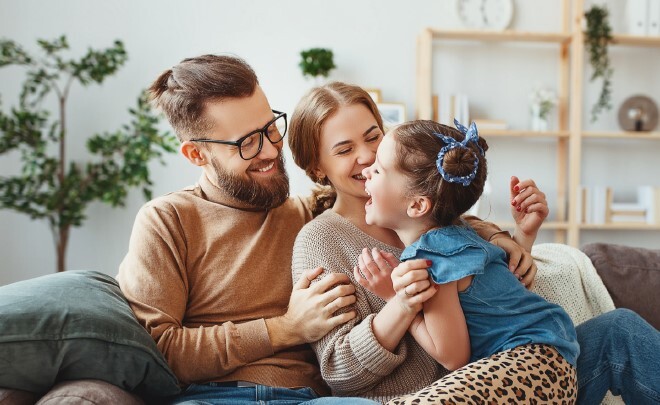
{"x":375,"y":95}
{"x":392,"y":113}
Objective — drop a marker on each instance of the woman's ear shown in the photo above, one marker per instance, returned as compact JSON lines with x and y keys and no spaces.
{"x":419,"y":206}
{"x":319,"y":175}
{"x":192,"y":153}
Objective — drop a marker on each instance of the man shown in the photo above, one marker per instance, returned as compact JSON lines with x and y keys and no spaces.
{"x":208,"y":271}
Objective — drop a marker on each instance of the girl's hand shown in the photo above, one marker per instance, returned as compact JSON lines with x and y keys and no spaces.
{"x":376,"y":266}
{"x":529,"y":209}
{"x":521,"y":263}
{"x":410,"y":281}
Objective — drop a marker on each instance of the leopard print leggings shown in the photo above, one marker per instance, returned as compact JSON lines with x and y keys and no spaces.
{"x":529,"y":374}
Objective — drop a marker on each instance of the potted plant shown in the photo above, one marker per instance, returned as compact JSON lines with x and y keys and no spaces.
{"x":50,"y":186}
{"x":316,"y":62}
{"x":598,"y":36}
{"x":542,"y":102}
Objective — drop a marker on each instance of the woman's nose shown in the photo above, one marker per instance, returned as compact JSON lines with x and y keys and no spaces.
{"x":366,"y":155}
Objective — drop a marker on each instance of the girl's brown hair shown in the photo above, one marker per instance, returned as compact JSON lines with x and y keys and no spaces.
{"x":417,"y":149}
{"x":312,"y":111}
{"x":183,"y":91}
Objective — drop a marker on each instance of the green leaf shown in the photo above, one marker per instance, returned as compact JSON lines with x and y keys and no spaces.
{"x":60,"y":192}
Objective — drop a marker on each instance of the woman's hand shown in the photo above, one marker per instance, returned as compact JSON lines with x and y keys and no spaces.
{"x":374,"y":270}
{"x":410,"y":281}
{"x":520,"y":260}
{"x":529,"y":209}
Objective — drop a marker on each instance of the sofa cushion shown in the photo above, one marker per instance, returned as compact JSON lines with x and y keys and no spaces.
{"x":76,"y":325}
{"x":88,"y":392}
{"x":631,"y":275}
{"x":17,"y":397}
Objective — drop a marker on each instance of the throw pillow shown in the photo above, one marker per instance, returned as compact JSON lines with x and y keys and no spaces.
{"x":631,"y":275}
{"x":76,"y":325}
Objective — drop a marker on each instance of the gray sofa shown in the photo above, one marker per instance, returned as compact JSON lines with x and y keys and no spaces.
{"x":631,"y":276}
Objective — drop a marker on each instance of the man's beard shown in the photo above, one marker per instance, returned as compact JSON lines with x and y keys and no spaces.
{"x":253,"y":192}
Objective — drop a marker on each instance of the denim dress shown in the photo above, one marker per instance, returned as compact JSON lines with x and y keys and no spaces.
{"x":500,"y":312}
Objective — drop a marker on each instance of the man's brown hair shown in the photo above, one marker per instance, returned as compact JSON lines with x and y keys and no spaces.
{"x":183,"y":91}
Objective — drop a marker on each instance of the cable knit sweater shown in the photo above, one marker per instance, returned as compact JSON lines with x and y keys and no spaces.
{"x":353,"y":362}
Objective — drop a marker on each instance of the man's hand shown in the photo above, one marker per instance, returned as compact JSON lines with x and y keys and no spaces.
{"x":312,"y":309}
{"x":410,"y":281}
{"x":376,"y":266}
{"x":520,"y":260}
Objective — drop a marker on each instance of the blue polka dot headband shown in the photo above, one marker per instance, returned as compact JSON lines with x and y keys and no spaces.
{"x":471,"y":135}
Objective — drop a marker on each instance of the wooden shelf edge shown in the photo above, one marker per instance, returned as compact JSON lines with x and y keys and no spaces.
{"x":506,"y":35}
{"x":523,"y":133}
{"x":623,"y":226}
{"x":546,"y":225}
{"x":622,"y":135}
{"x":635,"y":40}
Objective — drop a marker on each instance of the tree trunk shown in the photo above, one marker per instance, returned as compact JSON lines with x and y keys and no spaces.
{"x":62,"y":242}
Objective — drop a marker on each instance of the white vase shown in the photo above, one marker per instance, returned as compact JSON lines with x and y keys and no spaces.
{"x":538,"y":123}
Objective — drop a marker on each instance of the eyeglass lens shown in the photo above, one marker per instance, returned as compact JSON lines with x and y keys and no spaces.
{"x":251,"y":145}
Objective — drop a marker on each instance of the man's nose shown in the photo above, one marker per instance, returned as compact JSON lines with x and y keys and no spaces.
{"x":268,"y":150}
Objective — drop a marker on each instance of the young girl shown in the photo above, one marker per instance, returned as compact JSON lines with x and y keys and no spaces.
{"x":424,"y":177}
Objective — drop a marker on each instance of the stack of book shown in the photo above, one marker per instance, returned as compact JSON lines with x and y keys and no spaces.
{"x":597,"y":206}
{"x":448,"y":106}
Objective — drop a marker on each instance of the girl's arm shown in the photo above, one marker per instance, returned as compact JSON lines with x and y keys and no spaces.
{"x":442,"y":331}
{"x":410,"y":279}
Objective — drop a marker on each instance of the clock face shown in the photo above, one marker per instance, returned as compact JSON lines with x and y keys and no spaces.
{"x":485,"y":14}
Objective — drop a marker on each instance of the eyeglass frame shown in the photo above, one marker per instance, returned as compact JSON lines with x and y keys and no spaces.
{"x":262,"y":131}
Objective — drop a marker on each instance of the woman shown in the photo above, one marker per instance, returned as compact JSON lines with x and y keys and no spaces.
{"x":334,"y":134}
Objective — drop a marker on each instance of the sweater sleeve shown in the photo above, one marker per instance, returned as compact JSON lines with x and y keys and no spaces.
{"x":351,"y":358}
{"x":153,"y":278}
{"x":483,"y":228}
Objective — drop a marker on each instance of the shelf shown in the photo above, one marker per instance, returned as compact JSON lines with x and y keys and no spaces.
{"x":513,"y":133}
{"x":570,"y":135}
{"x":546,"y":225}
{"x":622,"y":135}
{"x":500,"y":36}
{"x":622,"y":226}
{"x":632,"y":40}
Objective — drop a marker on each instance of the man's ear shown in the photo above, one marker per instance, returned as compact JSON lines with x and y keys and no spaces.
{"x":418,"y":206}
{"x":192,"y":152}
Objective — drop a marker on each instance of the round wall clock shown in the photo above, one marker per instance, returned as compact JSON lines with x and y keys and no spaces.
{"x":485,"y":14}
{"x":638,"y":113}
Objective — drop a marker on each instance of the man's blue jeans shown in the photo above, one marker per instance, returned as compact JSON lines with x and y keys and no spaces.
{"x":619,"y":351}
{"x":261,"y":394}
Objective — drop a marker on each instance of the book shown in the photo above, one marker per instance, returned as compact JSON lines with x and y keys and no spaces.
{"x":453,"y":106}
{"x":654,"y":18}
{"x":649,"y":198}
{"x":638,"y":17}
{"x":593,"y":204}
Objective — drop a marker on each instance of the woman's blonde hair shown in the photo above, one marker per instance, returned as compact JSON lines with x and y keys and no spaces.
{"x":307,"y":121}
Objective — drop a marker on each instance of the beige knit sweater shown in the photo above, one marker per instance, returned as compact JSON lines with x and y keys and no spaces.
{"x":352,"y":361}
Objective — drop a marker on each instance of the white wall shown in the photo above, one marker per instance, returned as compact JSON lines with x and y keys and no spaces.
{"x":374,"y":45}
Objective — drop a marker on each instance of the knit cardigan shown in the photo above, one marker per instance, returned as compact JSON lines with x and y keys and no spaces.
{"x":352,"y":361}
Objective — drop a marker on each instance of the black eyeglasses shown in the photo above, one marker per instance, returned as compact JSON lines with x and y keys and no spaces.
{"x":250,"y":145}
